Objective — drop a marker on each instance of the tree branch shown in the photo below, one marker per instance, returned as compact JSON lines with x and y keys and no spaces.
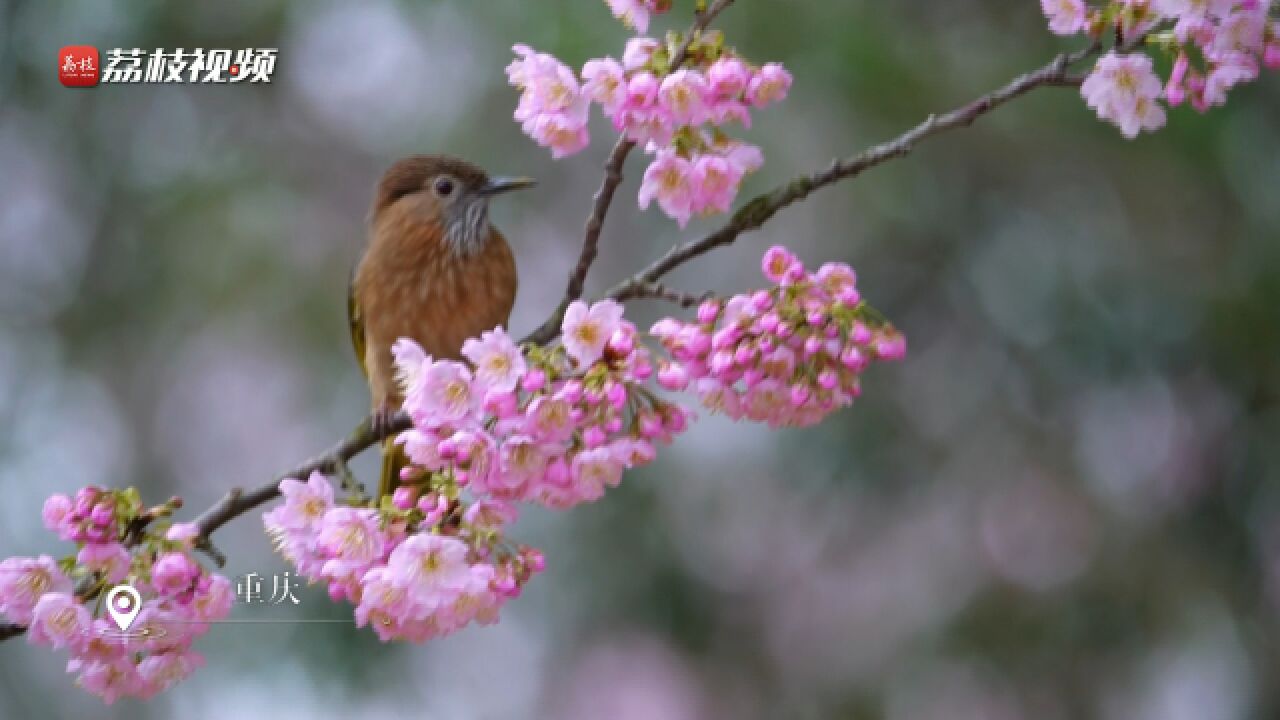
{"x":749,"y":217}
{"x":608,"y":187}
{"x":761,"y":208}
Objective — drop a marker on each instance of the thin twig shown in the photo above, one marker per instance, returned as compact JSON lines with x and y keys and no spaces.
{"x":608,"y":187}
{"x":759,"y":209}
{"x":238,"y":501}
{"x":658,"y":291}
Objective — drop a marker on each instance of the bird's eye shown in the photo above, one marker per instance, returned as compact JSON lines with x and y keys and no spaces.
{"x":444,"y":187}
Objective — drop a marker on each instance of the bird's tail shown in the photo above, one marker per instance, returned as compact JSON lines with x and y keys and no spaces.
{"x":393,"y":461}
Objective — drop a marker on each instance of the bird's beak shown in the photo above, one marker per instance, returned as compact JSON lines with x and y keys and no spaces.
{"x":499,"y":185}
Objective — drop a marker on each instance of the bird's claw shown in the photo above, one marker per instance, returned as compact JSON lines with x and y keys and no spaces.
{"x":382,"y":419}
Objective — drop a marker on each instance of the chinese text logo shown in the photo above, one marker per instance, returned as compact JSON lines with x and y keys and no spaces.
{"x":78,"y":66}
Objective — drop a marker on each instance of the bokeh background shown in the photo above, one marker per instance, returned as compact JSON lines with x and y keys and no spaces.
{"x":1063,"y":504}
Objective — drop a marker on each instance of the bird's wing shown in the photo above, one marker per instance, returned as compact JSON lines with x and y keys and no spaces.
{"x":355,"y":321}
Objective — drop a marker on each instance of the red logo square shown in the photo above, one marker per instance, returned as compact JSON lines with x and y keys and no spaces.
{"x":78,"y":66}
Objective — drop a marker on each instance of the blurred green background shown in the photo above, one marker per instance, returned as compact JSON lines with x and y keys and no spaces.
{"x":1063,"y":504}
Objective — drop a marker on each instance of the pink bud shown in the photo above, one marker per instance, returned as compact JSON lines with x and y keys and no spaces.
{"x":613,"y":425}
{"x":404,"y":497}
{"x":828,"y":379}
{"x":721,"y":362}
{"x":853,"y":358}
{"x":811,"y":346}
{"x":860,"y":333}
{"x":617,"y":394}
{"x":799,"y":394}
{"x":1271,"y":55}
{"x":572,"y":392}
{"x":708,"y":311}
{"x":536,"y":560}
{"x":622,"y":342}
{"x":533,"y":380}
{"x":650,"y":425}
{"x":891,"y":347}
{"x":761,"y":301}
{"x":666,"y":327}
{"x":642,"y":369}
{"x":593,"y":437}
{"x":673,"y":377}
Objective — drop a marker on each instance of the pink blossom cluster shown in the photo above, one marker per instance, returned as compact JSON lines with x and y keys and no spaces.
{"x":421,"y":567}
{"x":55,"y":599}
{"x":676,"y":114}
{"x":788,"y":355}
{"x":1214,"y":45}
{"x":556,"y":427}
{"x":635,"y":13}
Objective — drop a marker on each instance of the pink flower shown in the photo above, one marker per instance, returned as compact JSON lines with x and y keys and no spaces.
{"x":1225,"y":76}
{"x":777,"y":263}
{"x":109,"y":679}
{"x":769,"y":85}
{"x":305,"y":504}
{"x":110,"y":559}
{"x":638,"y":52}
{"x":682,"y":95}
{"x":633,"y":13}
{"x":563,"y":134}
{"x":59,"y":620}
{"x":448,"y":395}
{"x":669,"y":180}
{"x":411,"y":363}
{"x":173,"y":573}
{"x":549,"y":418}
{"x":594,"y":470}
{"x":586,"y":329}
{"x":728,"y":77}
{"x":57,"y":515}
{"x":523,"y":461}
{"x":499,"y":363}
{"x":1124,"y":89}
{"x":213,"y":598}
{"x":552,"y":108}
{"x":184,"y":534}
{"x":433,"y":568}
{"x":1240,"y":32}
{"x":352,"y":535}
{"x":549,"y":85}
{"x":1066,"y":17}
{"x":22,"y":582}
{"x":719,"y":182}
{"x":384,"y":601}
{"x":744,"y":156}
{"x":161,"y":671}
{"x":605,"y":82}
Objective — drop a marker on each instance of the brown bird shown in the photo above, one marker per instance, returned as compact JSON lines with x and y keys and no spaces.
{"x":434,"y":270}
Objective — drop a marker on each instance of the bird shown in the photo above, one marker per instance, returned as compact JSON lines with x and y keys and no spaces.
{"x":434,"y":269}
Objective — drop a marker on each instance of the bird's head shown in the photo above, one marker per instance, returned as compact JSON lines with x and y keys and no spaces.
{"x":445,"y":190}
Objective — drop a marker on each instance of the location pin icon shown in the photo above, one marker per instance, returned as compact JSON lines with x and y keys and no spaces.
{"x":123,"y":604}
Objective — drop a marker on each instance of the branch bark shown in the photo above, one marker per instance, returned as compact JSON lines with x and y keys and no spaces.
{"x":760,"y":209}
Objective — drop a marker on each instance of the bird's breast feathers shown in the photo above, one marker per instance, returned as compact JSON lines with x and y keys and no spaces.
{"x":412,"y":284}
